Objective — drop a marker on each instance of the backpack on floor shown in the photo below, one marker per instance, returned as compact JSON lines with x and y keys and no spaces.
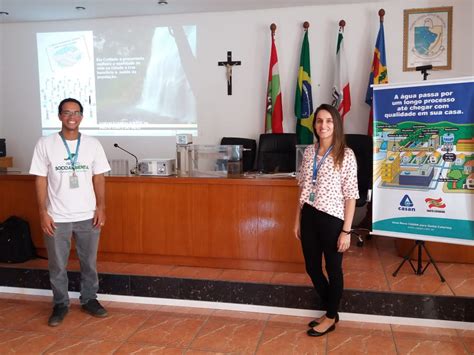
{"x":16,"y":245}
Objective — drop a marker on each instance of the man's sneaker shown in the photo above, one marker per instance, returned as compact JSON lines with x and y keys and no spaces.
{"x":94,"y":308}
{"x":59,"y":312}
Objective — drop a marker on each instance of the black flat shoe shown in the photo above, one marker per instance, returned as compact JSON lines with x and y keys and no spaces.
{"x":314,"y":333}
{"x":315,"y":323}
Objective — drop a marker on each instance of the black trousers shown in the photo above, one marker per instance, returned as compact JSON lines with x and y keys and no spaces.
{"x":319,"y":234}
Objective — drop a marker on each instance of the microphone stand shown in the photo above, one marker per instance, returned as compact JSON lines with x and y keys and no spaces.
{"x":133,"y":171}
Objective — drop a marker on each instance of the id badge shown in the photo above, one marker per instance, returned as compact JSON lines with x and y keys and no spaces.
{"x":311,"y":197}
{"x":73,"y":182}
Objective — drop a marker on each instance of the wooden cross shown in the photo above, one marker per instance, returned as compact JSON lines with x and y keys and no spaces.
{"x":229,"y":64}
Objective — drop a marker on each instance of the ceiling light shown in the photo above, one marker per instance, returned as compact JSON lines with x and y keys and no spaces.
{"x":162,"y":2}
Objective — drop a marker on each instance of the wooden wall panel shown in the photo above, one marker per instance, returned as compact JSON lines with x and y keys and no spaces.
{"x":199,"y":222}
{"x":232,"y":212}
{"x":123,"y":218}
{"x":239,"y":223}
{"x":166,"y":219}
{"x":277,"y":213}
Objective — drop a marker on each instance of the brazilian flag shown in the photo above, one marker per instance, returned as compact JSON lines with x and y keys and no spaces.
{"x":304,"y":98}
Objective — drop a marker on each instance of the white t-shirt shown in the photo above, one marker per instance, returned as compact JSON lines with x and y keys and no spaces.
{"x":50,"y":158}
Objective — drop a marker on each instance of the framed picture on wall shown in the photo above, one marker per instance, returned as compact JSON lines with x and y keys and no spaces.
{"x":427,"y":35}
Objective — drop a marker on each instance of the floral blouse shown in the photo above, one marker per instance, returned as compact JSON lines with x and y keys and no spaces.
{"x":333,"y":186}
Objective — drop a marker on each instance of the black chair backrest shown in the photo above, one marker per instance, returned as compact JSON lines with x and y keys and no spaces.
{"x":249,"y":153}
{"x":362,"y":146}
{"x":277,"y":153}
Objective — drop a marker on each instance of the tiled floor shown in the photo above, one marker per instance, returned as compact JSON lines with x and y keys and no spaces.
{"x":154,"y":329}
{"x":150,"y":329}
{"x":367,"y":268}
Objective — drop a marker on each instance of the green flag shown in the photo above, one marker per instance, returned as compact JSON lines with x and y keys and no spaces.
{"x":304,"y":97}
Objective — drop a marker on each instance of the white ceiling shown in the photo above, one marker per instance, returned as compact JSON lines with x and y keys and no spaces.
{"x":50,"y":10}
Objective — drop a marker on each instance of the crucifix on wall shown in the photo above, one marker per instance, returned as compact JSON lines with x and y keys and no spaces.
{"x":228,"y":65}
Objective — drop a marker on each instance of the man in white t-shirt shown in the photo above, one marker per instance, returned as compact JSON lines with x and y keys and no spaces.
{"x":70,"y":188}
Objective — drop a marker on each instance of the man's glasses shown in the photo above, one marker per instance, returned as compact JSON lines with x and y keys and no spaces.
{"x":71,"y":113}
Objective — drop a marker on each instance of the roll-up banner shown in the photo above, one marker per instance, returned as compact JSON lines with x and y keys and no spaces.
{"x":424,"y":161}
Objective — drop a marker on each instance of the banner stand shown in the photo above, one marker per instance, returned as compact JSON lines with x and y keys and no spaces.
{"x":419,"y":270}
{"x":423,"y":180}
{"x":420,"y":243}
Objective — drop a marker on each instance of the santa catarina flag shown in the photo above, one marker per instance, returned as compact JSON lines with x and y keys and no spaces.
{"x":303,"y":97}
{"x":378,"y":74}
{"x":341,"y":92}
{"x":274,"y":111}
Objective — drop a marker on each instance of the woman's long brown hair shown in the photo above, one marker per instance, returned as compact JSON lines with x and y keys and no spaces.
{"x":338,"y":140}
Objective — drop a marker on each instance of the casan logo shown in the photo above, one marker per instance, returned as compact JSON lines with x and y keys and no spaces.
{"x":406,"y":204}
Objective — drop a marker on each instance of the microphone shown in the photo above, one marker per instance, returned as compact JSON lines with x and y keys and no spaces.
{"x":134,"y":171}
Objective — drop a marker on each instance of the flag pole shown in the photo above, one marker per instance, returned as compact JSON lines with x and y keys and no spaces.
{"x":381,"y":14}
{"x":306,"y":25}
{"x":273,"y":28}
{"x":342,"y":24}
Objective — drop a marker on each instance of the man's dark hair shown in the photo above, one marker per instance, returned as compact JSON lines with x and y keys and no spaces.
{"x":60,"y":107}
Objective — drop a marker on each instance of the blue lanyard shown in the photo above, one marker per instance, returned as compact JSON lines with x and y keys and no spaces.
{"x":72,"y":158}
{"x":317,"y":166}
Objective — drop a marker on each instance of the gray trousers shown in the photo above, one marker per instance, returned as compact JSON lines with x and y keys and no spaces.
{"x":86,"y":238}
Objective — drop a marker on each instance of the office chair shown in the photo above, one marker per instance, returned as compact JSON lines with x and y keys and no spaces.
{"x":362,"y":146}
{"x":277,"y":153}
{"x":249,"y":150}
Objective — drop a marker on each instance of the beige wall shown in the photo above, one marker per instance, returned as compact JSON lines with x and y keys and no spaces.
{"x":247,"y":34}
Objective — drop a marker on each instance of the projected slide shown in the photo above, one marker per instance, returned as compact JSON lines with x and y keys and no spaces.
{"x":66,"y":68}
{"x":131,"y":82}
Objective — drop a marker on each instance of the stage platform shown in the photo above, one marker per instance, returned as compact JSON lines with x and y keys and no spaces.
{"x":370,"y":288}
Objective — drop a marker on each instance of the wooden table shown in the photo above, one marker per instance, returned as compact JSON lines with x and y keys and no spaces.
{"x":208,"y":222}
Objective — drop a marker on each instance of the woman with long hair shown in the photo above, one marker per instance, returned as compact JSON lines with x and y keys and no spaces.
{"x":327,"y":197}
